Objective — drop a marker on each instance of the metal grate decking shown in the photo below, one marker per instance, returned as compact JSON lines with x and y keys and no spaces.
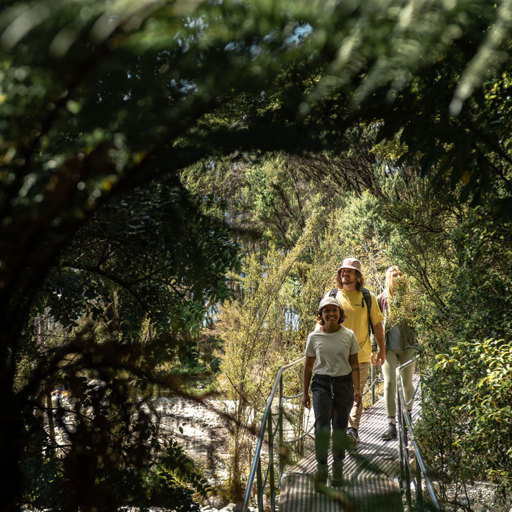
{"x":371,"y":474}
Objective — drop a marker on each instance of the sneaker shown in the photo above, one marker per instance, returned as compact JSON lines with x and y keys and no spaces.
{"x":352,"y":435}
{"x":390,"y":433}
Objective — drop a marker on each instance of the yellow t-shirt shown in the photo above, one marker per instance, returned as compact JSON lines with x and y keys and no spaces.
{"x":356,"y":319}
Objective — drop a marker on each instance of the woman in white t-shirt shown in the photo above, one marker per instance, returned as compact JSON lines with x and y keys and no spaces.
{"x":331,"y":357}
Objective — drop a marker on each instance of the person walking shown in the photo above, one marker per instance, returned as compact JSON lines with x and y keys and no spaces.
{"x":362,"y":314}
{"x":331,"y":356}
{"x":399,"y":344}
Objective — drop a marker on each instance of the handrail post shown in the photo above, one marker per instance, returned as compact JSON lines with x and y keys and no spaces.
{"x":406,"y":431}
{"x":419,"y":489}
{"x":280,"y":430}
{"x":404,"y":459}
{"x":372,"y":377}
{"x":259,"y":486}
{"x":271,"y":464}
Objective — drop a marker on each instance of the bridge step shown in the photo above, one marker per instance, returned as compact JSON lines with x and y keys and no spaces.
{"x":362,"y":494}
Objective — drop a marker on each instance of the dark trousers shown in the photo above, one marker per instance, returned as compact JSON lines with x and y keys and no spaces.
{"x":332,"y":400}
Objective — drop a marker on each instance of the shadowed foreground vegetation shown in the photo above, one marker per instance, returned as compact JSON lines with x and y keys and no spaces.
{"x":178,"y":182}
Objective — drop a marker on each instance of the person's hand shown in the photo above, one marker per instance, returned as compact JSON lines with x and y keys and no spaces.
{"x":378,"y":358}
{"x":306,"y":400}
{"x":357,"y":397}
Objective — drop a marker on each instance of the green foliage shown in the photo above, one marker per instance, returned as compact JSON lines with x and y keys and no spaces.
{"x":491,"y":362}
{"x":139,"y":286}
{"x":263,"y":199}
{"x":141,"y":263}
{"x":459,"y":257}
{"x":159,"y":482}
{"x":106,"y":447}
{"x":363,"y":235}
{"x":259,"y":337}
{"x":471,"y":385}
{"x":401,"y":307}
{"x":99,"y":99}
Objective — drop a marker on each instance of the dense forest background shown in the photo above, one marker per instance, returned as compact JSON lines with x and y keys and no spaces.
{"x":179,"y":180}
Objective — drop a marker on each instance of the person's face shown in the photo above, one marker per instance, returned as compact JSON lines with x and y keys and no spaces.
{"x":330,"y":315}
{"x":396,"y":274}
{"x":348,"y":276}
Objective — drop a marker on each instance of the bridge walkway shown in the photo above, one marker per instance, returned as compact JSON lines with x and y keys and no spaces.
{"x":371,"y":473}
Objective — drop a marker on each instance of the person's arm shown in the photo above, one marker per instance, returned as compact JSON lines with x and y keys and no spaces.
{"x":353,"y":359}
{"x":308,"y":371}
{"x":378,"y":332}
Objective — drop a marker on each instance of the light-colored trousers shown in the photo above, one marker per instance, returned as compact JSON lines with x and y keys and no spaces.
{"x":355,"y":413}
{"x":395,"y":358}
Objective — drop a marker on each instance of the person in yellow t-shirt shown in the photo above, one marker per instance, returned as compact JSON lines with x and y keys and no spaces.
{"x":350,"y":283}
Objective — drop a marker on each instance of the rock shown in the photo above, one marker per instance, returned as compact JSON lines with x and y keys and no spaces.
{"x":228,"y":508}
{"x":214,"y":502}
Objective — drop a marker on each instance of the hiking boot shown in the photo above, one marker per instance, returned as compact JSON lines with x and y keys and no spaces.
{"x":320,"y":478}
{"x":352,"y":436}
{"x":390,"y":433}
{"x":337,"y":474}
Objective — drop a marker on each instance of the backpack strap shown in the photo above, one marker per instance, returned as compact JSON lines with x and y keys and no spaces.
{"x":382,"y":301}
{"x":368,"y":300}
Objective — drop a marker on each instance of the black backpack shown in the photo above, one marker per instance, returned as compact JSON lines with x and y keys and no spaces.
{"x":366,"y":299}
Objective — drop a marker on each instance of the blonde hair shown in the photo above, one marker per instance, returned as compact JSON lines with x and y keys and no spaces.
{"x":388,"y":283}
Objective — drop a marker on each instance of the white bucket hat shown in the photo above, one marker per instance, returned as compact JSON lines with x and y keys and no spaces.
{"x":351,"y":263}
{"x":326,"y":301}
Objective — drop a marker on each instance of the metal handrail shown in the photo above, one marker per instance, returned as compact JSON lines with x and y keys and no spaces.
{"x":266,"y":426}
{"x":267,"y":419}
{"x":406,"y":437}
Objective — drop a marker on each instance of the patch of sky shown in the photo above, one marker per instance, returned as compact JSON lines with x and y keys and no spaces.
{"x":183,"y":86}
{"x":298,"y":35}
{"x":232,"y":46}
{"x":211,"y":315}
{"x":291,"y":319}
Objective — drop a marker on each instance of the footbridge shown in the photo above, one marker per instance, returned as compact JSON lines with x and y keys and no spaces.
{"x":378,"y":475}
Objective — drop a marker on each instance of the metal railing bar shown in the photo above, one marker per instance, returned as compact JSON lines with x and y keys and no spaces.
{"x":270,"y":467}
{"x":371,"y":386}
{"x":406,"y":459}
{"x":268,"y":420}
{"x":421,"y":464}
{"x":262,"y":431}
{"x":275,"y":424}
{"x":269,"y":470}
{"x":405,"y":469}
{"x":302,"y":437}
{"x":404,"y":413}
{"x":292,"y":397}
{"x":259,"y":487}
